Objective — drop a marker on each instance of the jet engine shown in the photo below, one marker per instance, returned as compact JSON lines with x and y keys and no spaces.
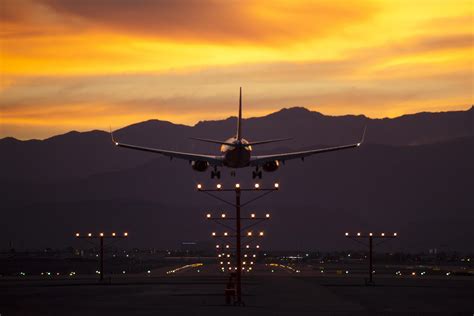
{"x":200,"y":165}
{"x":271,"y":166}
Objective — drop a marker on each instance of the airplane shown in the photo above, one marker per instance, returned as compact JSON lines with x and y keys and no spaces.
{"x":236,"y":152}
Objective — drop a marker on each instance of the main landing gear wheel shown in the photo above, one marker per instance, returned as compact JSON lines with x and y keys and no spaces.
{"x":257,"y":174}
{"x":215,"y":174}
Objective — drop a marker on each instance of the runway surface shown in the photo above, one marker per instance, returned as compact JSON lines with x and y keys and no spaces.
{"x":200,"y":291}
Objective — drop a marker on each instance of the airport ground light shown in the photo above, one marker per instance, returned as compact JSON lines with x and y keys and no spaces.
{"x":237,"y":230}
{"x":370,"y":237}
{"x":101,"y":236}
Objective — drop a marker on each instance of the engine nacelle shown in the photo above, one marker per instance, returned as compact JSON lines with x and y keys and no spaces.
{"x":271,"y":166}
{"x":200,"y":165}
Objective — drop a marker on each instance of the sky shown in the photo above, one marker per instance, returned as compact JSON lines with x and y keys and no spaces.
{"x":82,"y":65}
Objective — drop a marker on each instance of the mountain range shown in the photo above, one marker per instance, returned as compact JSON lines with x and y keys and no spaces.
{"x":413,"y":175}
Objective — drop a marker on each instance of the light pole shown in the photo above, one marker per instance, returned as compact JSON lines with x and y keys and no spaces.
{"x":370,"y":236}
{"x":101,"y":237}
{"x":238,"y":228}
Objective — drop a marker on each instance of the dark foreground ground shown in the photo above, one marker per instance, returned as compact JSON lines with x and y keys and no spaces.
{"x":265,"y":293}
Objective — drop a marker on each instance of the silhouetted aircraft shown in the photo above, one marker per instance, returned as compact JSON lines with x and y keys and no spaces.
{"x":236,"y":152}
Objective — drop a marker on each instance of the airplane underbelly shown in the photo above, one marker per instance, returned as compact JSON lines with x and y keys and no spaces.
{"x":237,"y":158}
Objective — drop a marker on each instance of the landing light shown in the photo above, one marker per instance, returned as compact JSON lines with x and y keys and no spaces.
{"x":208,"y":215}
{"x":395,"y":234}
{"x":90,"y":234}
{"x":347,"y":234}
{"x":199,"y":186}
{"x":223,"y":215}
{"x":267,"y":215}
{"x":257,"y":186}
{"x":382,"y":234}
{"x":113,"y":234}
{"x":260,"y":234}
{"x":370,"y":234}
{"x":276,"y":185}
{"x":219,"y":186}
{"x":77,"y":234}
{"x":237,"y":185}
{"x":252,"y":215}
{"x":358,"y":234}
{"x":125,"y":234}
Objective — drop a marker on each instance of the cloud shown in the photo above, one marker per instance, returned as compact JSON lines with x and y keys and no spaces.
{"x":201,"y":21}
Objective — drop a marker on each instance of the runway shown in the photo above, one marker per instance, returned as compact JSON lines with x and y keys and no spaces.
{"x":189,"y":292}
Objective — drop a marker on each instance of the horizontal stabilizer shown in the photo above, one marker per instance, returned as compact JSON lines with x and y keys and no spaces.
{"x":266,"y":141}
{"x":212,"y":141}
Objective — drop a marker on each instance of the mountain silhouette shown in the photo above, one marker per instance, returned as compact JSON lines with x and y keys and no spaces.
{"x":413,"y":175}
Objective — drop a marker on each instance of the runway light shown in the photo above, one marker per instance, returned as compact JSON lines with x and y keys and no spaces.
{"x":213,"y":233}
{"x":219,"y":186}
{"x":245,"y":256}
{"x":260,"y":234}
{"x":208,"y":215}
{"x":113,"y":234}
{"x":370,"y":234}
{"x":148,"y":272}
{"x":358,"y":234}
{"x":125,"y":234}
{"x":217,"y":246}
{"x":223,"y":215}
{"x":276,"y":185}
{"x":395,"y":234}
{"x":237,"y":185}
{"x":227,"y":246}
{"x":199,"y":186}
{"x":77,"y":234}
{"x":247,"y":246}
{"x":252,"y":215}
{"x":225,"y":234}
{"x":257,"y":185}
{"x":347,"y":234}
{"x":382,"y":234}
{"x":249,"y":233}
{"x":228,"y":256}
{"x":267,"y":215}
{"x":258,"y":246}
{"x":101,"y":234}
{"x":90,"y":234}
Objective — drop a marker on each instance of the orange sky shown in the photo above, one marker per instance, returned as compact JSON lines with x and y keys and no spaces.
{"x":81,"y":65}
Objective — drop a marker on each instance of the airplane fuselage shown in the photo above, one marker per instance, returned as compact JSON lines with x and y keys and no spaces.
{"x":237,"y":156}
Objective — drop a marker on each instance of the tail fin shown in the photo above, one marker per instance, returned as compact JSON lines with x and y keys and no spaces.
{"x":239,"y":119}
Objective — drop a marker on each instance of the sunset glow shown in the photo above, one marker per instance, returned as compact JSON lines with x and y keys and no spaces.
{"x":81,"y":65}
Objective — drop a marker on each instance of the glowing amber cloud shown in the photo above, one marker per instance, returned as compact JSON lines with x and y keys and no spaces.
{"x":67,"y":64}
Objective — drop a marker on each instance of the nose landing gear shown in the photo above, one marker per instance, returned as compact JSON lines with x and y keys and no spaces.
{"x":215,"y":174}
{"x":257,"y":173}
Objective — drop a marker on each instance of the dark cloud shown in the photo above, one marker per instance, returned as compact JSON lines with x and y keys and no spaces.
{"x":213,"y":20}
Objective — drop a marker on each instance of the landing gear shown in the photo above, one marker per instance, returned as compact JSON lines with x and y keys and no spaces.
{"x":215,"y":174}
{"x":257,"y":174}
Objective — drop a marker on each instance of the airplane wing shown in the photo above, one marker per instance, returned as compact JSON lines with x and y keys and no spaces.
{"x":259,"y":160}
{"x":212,"y":160}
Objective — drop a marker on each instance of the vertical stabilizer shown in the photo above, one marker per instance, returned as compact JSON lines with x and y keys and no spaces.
{"x":239,"y":119}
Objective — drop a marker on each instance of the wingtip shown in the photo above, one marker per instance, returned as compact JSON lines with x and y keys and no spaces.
{"x":112,"y":137}
{"x":363,"y":137}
